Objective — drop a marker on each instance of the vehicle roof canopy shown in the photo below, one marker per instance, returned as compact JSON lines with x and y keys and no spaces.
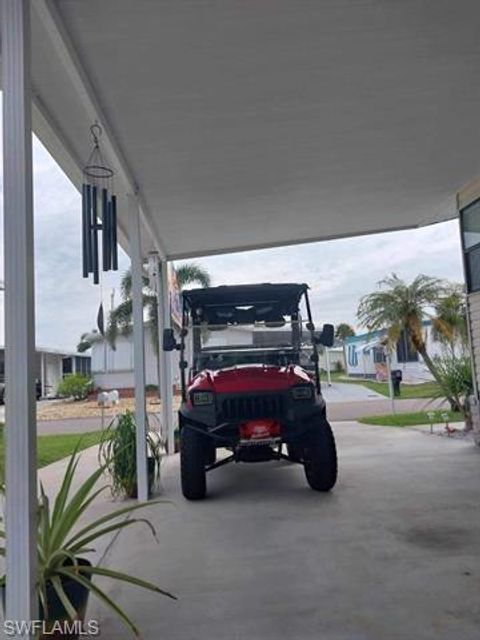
{"x":245,"y":303}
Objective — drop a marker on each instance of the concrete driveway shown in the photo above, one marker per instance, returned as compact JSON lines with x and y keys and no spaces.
{"x":392,"y":554}
{"x":345,"y":392}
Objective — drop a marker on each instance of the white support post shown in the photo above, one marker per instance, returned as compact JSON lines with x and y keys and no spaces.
{"x":43,"y":374}
{"x":20,"y":459}
{"x":138,"y":349}
{"x":167,"y":405}
{"x":162,"y":360}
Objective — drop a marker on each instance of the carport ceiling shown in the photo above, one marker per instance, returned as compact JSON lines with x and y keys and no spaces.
{"x":254,"y":123}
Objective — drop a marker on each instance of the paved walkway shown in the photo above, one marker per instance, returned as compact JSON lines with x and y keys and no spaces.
{"x":345,"y":392}
{"x":393,"y":553}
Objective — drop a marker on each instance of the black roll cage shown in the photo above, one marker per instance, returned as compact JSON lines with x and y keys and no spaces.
{"x":310,"y":326}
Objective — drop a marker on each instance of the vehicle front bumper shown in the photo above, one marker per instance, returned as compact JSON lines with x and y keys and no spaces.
{"x":298,"y":418}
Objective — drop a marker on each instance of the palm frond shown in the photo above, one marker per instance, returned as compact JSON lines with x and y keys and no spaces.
{"x":192,"y":273}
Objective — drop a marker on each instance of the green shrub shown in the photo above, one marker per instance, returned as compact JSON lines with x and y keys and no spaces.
{"x":74,"y":385}
{"x":455,"y":377}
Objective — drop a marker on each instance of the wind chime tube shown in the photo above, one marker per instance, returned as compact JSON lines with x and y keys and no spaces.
{"x":89,"y":230}
{"x":96,"y":278}
{"x":113,"y":221}
{"x":85,"y":234}
{"x":110,"y":232}
{"x":105,"y":262}
{"x":99,"y":213}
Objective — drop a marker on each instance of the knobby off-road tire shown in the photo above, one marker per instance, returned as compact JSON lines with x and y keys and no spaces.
{"x":192,"y":464}
{"x":320,"y":458}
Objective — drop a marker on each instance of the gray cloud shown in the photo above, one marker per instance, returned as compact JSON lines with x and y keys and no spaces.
{"x":339,"y":272}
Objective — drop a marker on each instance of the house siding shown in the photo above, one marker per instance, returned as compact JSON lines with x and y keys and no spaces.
{"x":473,"y":301}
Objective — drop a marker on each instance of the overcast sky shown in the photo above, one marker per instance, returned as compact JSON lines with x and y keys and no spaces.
{"x":339,"y":272}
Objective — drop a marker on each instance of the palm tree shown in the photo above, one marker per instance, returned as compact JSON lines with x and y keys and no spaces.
{"x":343,"y":331}
{"x":120,"y":318}
{"x":88,"y":339}
{"x":120,"y":321}
{"x":399,"y":307}
{"x":450,"y":322}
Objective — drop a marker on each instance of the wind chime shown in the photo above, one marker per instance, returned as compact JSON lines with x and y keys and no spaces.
{"x":98,"y":201}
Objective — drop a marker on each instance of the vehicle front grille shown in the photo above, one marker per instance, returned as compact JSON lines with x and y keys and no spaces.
{"x":247,"y":407}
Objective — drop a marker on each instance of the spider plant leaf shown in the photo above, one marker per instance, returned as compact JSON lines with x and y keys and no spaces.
{"x":102,"y":596}
{"x":42,"y":592}
{"x":88,"y":502}
{"x":123,"y":577}
{"x":60,"y":556}
{"x":62,"y":596}
{"x":69,"y":474}
{"x":43,"y":521}
{"x":84,"y":550}
{"x":117,"y":526}
{"x":111,"y":516}
{"x":73,"y":510}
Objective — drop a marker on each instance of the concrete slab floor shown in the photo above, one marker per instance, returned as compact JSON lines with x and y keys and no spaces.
{"x":393,"y":553}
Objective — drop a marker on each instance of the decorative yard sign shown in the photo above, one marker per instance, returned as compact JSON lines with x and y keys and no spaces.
{"x":175,"y":297}
{"x":98,"y":201}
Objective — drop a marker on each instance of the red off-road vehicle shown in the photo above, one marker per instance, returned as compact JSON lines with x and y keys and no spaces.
{"x":240,"y":349}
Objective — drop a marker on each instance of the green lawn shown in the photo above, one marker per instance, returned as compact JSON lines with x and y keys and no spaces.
{"x":422,"y":390}
{"x":55,"y":447}
{"x":410,"y":419}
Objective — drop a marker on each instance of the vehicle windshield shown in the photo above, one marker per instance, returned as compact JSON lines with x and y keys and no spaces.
{"x":220,"y":347}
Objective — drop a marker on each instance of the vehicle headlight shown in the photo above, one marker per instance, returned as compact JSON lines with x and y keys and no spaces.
{"x":202,"y":398}
{"x":302,"y":393}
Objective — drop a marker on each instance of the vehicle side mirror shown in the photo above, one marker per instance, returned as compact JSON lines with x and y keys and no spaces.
{"x":327,"y":337}
{"x":169,"y":341}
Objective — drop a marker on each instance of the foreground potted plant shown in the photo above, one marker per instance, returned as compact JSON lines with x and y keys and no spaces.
{"x":118,"y":453}
{"x":64,"y":573}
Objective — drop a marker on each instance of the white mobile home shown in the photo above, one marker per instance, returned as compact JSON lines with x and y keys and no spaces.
{"x":365,"y":356}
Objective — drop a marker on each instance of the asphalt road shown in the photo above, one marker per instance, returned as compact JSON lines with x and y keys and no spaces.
{"x":344,"y":401}
{"x":336,"y":412}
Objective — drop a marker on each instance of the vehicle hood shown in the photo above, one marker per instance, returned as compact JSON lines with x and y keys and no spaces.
{"x":244,"y":378}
